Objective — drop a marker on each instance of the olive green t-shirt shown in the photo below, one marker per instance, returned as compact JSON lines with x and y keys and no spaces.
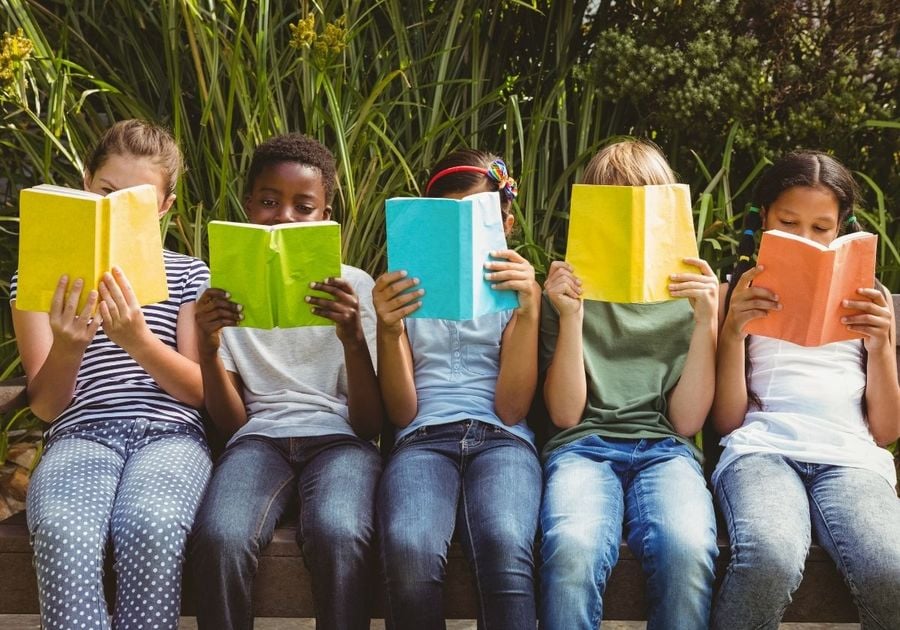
{"x":633,"y":357}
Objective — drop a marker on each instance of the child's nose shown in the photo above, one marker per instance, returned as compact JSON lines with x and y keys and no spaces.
{"x":285,"y":214}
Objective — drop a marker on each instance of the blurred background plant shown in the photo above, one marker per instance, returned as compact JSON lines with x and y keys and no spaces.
{"x":391,"y":85}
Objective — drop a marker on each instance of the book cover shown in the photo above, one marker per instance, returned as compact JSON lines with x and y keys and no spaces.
{"x":811,"y":280}
{"x":445,"y":243}
{"x":268,"y":268}
{"x":83,"y":235}
{"x":625,"y":241}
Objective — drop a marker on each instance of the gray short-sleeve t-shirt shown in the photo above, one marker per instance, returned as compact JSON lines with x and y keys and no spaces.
{"x":295,"y":380}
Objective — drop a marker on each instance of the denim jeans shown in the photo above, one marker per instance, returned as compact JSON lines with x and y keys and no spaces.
{"x":136,"y":483}
{"x":335,"y":477}
{"x":486,"y":483}
{"x":656,"y":488}
{"x":772,"y":505}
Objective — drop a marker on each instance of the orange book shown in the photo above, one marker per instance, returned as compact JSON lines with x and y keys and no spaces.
{"x":811,"y":281}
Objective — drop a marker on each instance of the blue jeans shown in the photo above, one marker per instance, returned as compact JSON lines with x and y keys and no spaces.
{"x":254,"y":481}
{"x":656,"y":488}
{"x":136,"y":483}
{"x":481,"y":480}
{"x":772,"y":504}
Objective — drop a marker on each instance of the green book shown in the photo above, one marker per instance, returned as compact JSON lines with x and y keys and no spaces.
{"x":268,"y":268}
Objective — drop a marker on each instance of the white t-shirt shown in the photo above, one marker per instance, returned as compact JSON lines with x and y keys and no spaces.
{"x":811,"y":408}
{"x":295,"y":379}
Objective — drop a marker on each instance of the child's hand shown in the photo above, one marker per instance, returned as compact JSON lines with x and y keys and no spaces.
{"x":342,"y":308}
{"x":563,"y":288}
{"x":391,"y":303}
{"x":123,"y":320}
{"x":515,"y":274}
{"x":748,"y":303}
{"x":875,"y":322}
{"x":701,"y":289}
{"x":74,"y":332}
{"x":212,"y":312}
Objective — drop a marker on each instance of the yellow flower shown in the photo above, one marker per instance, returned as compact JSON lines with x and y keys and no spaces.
{"x":303,"y":33}
{"x":14,"y":49}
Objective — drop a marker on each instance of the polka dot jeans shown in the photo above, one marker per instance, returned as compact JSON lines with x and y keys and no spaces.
{"x":135,"y":482}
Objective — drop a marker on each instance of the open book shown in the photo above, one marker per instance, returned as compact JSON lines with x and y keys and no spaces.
{"x":445,"y":243}
{"x":811,"y":281}
{"x":625,"y":241}
{"x":268,"y":268}
{"x":82,"y":234}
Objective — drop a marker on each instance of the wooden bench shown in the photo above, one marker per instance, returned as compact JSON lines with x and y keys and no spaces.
{"x":282,"y":587}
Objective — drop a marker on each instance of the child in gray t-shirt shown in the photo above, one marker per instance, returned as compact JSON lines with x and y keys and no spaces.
{"x":301,"y":406}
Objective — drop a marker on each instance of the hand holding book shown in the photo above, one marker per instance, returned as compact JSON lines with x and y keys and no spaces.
{"x":341,"y":307}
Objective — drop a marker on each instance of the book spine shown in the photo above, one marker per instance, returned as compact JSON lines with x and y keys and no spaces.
{"x":822,"y":307}
{"x":466,"y":292}
{"x":639,"y":238}
{"x":102,"y":249}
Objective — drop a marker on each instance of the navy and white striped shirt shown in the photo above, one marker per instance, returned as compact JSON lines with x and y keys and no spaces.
{"x":110,"y":384}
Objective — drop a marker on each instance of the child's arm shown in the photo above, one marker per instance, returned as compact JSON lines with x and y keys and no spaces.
{"x":877,"y":323}
{"x":222,"y":390}
{"x":52,"y":348}
{"x":363,"y":396}
{"x":175,"y":371}
{"x":518,"y":347}
{"x":691,"y":399}
{"x":395,"y":364}
{"x":747,"y":303}
{"x":565,"y":387}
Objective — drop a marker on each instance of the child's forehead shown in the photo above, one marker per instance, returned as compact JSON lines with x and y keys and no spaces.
{"x":289,"y":174}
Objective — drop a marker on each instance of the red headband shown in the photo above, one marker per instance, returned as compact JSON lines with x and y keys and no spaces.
{"x":496,"y":172}
{"x":464,"y":168}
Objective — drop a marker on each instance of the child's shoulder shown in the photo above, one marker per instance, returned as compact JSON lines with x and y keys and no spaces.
{"x":358,"y":279}
{"x":182,"y":262}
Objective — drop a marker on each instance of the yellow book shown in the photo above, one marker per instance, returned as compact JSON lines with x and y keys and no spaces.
{"x":83,"y":235}
{"x":625,"y":241}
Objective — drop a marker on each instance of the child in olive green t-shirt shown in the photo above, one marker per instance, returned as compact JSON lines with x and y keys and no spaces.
{"x":627,"y":385}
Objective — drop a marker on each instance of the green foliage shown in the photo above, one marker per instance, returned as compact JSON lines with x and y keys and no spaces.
{"x":392,"y":85}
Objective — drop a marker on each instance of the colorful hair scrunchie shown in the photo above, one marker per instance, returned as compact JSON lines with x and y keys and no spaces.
{"x":496,"y":172}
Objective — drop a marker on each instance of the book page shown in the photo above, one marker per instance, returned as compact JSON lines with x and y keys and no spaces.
{"x":669,"y":238}
{"x":423,"y":238}
{"x":58,"y":235}
{"x":239,"y":257}
{"x":601,"y":238}
{"x":854,"y":268}
{"x":486,"y":228}
{"x":133,"y":241}
{"x":304,"y":253}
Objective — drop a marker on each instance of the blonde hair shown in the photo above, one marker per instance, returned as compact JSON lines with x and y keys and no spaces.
{"x":629,"y":163}
{"x":140,"y":139}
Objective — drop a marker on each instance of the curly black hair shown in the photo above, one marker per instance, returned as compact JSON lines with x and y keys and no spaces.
{"x":299,"y":148}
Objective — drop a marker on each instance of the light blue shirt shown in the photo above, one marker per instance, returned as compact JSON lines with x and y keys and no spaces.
{"x":456,"y":365}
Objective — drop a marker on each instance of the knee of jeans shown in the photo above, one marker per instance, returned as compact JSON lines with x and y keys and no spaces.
{"x":687,"y":552}
{"x":218,"y":541}
{"x":571,"y":554}
{"x":771,"y":557}
{"x":341,"y":536}
{"x":411,"y":558}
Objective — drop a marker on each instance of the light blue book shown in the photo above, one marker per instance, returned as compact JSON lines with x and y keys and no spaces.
{"x":445,"y":243}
